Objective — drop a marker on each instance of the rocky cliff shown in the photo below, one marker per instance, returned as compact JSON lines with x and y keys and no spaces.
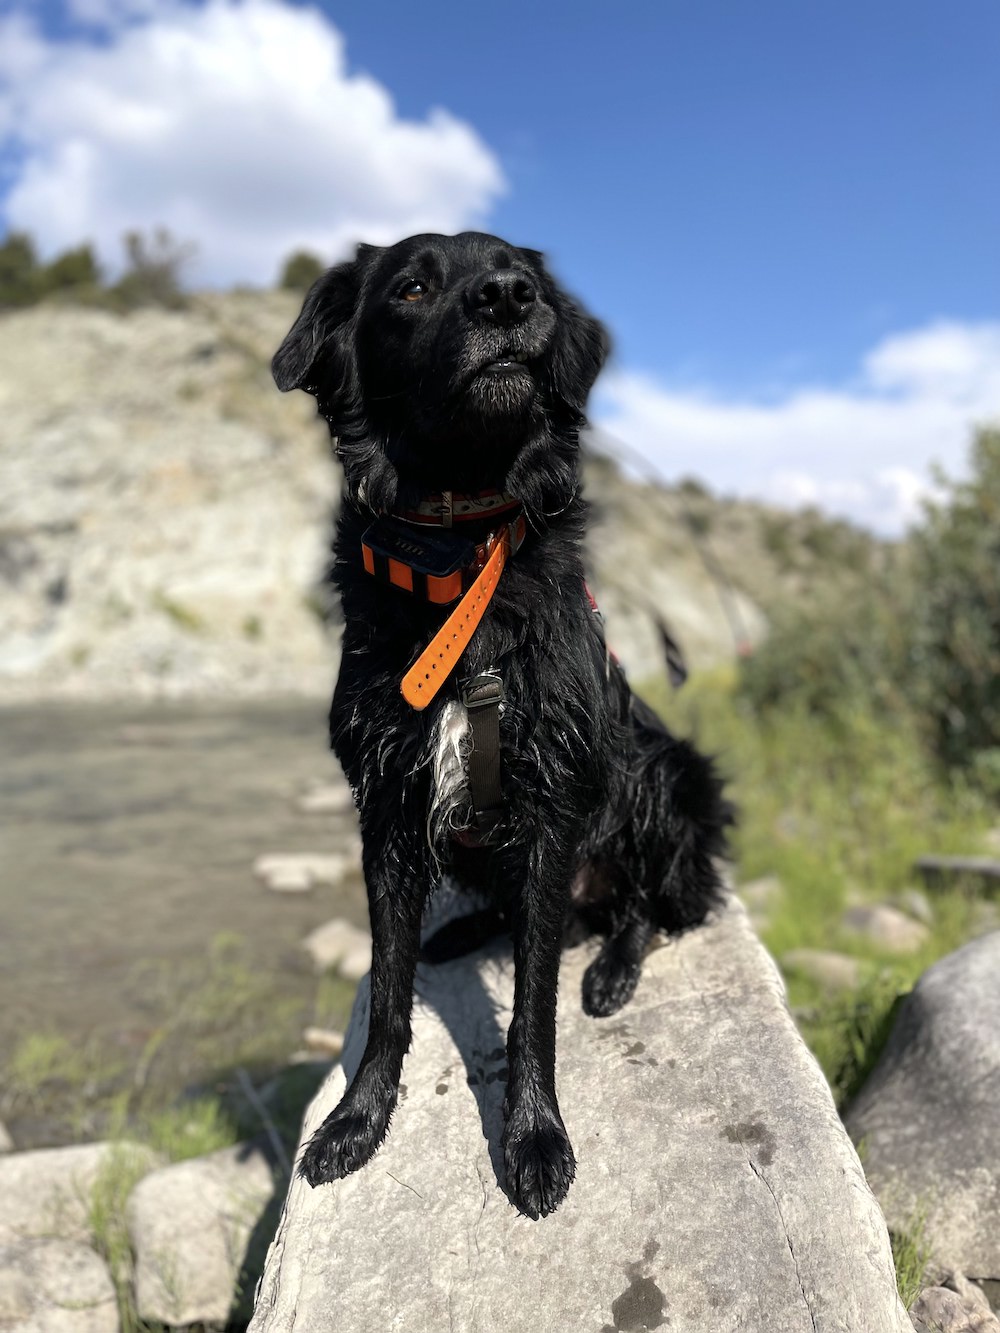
{"x":165,"y":514}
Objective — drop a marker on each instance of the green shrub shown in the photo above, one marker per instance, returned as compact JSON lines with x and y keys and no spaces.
{"x":301,"y":270}
{"x":153,"y":271}
{"x":850,"y":644}
{"x":20,"y":281}
{"x":955,"y":683}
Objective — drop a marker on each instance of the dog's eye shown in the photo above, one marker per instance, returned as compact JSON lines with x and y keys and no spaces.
{"x":412,"y":291}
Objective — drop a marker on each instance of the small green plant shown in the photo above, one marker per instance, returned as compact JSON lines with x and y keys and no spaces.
{"x":182,"y":616}
{"x":191,"y":1127}
{"x":911,"y":1255}
{"x":120,"y":1173}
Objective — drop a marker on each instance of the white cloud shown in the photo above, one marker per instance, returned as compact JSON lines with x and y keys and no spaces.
{"x":237,"y":125}
{"x":863,"y":450}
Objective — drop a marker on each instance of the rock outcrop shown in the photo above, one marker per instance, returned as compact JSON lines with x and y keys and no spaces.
{"x":929,"y":1114}
{"x":55,"y":1286}
{"x":48,"y":1192}
{"x":165,"y":514}
{"x":716,"y":1188}
{"x":191,"y":1226}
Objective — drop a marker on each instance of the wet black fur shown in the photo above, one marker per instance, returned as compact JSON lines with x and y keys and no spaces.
{"x":608,"y":815}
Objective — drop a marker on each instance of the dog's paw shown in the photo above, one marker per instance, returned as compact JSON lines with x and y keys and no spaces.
{"x":609,"y":982}
{"x":342,"y":1144}
{"x":540,"y":1166}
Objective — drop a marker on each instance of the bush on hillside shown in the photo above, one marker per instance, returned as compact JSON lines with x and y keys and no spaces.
{"x":301,"y":270}
{"x":848,"y":647}
{"x":153,"y":271}
{"x":152,"y":274}
{"x":956,"y":617}
{"x":922,"y":638}
{"x":19,"y":271}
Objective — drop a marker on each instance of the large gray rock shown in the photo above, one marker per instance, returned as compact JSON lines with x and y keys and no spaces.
{"x":55,"y":1286}
{"x":48,"y":1192}
{"x":191,"y":1226}
{"x":716,"y":1188}
{"x":930,"y":1112}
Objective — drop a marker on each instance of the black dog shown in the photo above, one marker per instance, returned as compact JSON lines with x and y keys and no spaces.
{"x":454,"y":373}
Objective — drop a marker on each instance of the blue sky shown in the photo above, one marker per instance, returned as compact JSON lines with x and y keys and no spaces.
{"x":787,"y":212}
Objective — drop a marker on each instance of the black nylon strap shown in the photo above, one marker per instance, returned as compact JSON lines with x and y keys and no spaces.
{"x":482,"y":696}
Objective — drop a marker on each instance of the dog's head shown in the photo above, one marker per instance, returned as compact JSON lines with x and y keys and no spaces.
{"x":446,"y":363}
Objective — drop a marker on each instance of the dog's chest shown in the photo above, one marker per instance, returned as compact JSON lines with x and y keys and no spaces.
{"x":450,"y":805}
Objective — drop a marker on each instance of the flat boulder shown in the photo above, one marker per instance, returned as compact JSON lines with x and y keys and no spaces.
{"x":47,"y":1192}
{"x":929,"y":1114}
{"x":192,"y":1227}
{"x":716,"y":1188}
{"x":55,"y":1286}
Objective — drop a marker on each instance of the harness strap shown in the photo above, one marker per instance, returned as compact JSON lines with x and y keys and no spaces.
{"x":439,"y":659}
{"x":482,"y":696}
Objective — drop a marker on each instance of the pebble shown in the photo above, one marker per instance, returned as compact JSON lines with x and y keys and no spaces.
{"x":832,"y":971}
{"x":298,"y":872}
{"x":938,"y":1310}
{"x":328,"y":798}
{"x":915,"y":904}
{"x":339,"y":944}
{"x":885,"y":927}
{"x":325,"y":1041}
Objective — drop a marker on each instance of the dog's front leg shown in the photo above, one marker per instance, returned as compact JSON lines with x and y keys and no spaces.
{"x":537,"y":1153}
{"x":351,"y":1134}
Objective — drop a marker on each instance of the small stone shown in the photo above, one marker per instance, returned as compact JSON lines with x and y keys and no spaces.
{"x":55,"y":1286}
{"x":343,"y":946}
{"x":328,"y":798}
{"x":938,"y":1310}
{"x":47,"y":1192}
{"x":832,"y":971}
{"x":190,"y":1225}
{"x":886,"y":928}
{"x":915,"y":904}
{"x":298,"y":872}
{"x":6,"y":1142}
{"x":323,"y":1040}
{"x":972,"y":1295}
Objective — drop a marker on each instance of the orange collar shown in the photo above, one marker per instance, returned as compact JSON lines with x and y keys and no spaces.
{"x":439,"y":659}
{"x":440,"y":567}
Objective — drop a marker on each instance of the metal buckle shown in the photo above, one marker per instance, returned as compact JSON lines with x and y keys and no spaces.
{"x":482,"y":690}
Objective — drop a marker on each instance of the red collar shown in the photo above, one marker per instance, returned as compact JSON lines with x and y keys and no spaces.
{"x":443,"y":509}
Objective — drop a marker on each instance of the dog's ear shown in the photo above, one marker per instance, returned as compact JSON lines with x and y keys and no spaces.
{"x":580,"y":351}
{"x":329,"y":305}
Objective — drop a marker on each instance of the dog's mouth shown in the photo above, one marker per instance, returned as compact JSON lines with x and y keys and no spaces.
{"x":505,"y":363}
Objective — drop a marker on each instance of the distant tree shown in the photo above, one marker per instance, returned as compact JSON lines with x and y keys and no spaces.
{"x":301,"y":270}
{"x":20,"y":283}
{"x":956,"y":617}
{"x":153,"y":272}
{"x":72,"y":273}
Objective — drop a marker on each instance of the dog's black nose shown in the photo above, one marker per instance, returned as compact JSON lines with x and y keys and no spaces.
{"x":503,"y":297}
